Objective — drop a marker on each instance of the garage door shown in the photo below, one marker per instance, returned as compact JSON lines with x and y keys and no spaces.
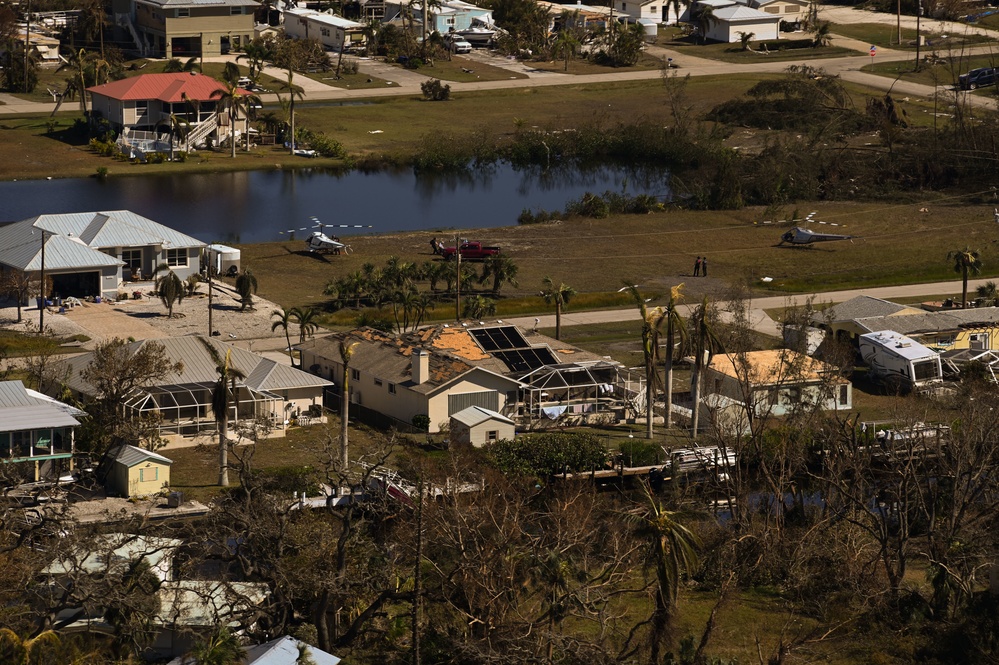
{"x":79,"y":284}
{"x":460,"y":401}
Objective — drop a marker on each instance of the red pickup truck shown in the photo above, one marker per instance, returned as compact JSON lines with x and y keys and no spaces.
{"x":470,"y":251}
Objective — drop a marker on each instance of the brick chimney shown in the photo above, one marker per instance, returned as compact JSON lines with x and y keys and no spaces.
{"x":421,"y":366}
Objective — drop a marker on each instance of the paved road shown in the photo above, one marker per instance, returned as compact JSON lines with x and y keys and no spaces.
{"x":759,"y":319}
{"x":405,"y":82}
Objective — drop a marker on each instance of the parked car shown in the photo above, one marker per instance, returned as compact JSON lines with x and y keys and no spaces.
{"x":459,"y":46}
{"x":978,"y":78}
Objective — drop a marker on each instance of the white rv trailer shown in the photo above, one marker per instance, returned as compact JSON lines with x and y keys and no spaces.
{"x":898,"y":360}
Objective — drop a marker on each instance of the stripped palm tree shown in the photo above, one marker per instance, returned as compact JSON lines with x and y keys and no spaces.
{"x":169,"y":287}
{"x":705,"y":345}
{"x":294,"y":92}
{"x":26,"y":647}
{"x":671,"y":554}
{"x":676,"y":342}
{"x":224,"y":393}
{"x":652,"y":320}
{"x":346,"y":354}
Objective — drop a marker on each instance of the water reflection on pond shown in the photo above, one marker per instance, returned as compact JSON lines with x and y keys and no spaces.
{"x":253,"y":206}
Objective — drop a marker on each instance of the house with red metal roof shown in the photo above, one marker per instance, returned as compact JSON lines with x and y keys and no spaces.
{"x":145,"y":103}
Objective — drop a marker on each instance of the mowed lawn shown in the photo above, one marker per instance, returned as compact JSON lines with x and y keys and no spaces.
{"x":895,"y":244}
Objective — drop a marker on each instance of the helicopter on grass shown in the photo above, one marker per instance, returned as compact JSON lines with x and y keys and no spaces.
{"x":320,"y":242}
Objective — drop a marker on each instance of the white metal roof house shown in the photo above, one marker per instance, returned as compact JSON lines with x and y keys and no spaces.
{"x":478,"y":426}
{"x":37,"y":433}
{"x":331,"y":30}
{"x":731,"y":17}
{"x":271,"y":392}
{"x":442,"y":370}
{"x":91,"y":253}
{"x":446,"y":16}
{"x":280,"y":651}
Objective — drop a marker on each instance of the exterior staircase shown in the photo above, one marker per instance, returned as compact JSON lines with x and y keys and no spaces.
{"x":125,"y":21}
{"x":199,"y":134}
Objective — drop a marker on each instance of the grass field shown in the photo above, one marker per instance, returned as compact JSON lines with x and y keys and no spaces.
{"x":896,"y":244}
{"x":943,"y":72}
{"x":733,"y":52}
{"x":586,"y":66}
{"x":885,"y":35}
{"x":463,"y":69}
{"x":356,"y":81}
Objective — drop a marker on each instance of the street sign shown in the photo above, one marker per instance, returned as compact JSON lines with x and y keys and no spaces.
{"x":874,"y":50}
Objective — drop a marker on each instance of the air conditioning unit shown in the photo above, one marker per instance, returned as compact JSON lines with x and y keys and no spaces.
{"x":355,"y":397}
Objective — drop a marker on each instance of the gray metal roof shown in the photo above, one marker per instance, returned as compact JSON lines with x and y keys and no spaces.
{"x":476,"y":415}
{"x":116,"y":228}
{"x":858,"y":308}
{"x":200,"y":3}
{"x":284,"y":651}
{"x":22,"y":409}
{"x":132,"y":455}
{"x":198,"y":367}
{"x":934,"y":322}
{"x":21,"y":248}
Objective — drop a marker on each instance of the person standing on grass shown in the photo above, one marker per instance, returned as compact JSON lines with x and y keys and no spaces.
{"x":697,"y":267}
{"x":704,"y":267}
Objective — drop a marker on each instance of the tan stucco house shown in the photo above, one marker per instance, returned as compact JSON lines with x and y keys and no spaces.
{"x":186,"y":28}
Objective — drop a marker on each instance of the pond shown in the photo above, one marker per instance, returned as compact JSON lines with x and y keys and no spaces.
{"x":255,"y":206}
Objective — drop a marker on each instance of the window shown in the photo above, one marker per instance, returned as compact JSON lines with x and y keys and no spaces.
{"x":355,"y":375}
{"x":149,"y":473}
{"x":392,"y":388}
{"x":141,"y":108}
{"x":449,"y":20}
{"x":793,"y":395}
{"x":378,"y":382}
{"x":844,"y":394}
{"x":772,"y":10}
{"x":652,"y":9}
{"x":492,"y":435}
{"x":176,"y":258}
{"x":325,"y":32}
{"x":624,"y":6}
{"x":235,"y":11}
{"x":792,"y":9}
{"x":132,"y":258}
{"x":183,"y":12}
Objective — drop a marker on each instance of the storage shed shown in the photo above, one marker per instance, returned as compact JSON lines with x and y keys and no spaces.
{"x":137,"y":472}
{"x":478,"y":426}
{"x":223,"y":259}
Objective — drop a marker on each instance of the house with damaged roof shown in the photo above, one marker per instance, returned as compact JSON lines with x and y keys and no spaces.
{"x":440,"y":371}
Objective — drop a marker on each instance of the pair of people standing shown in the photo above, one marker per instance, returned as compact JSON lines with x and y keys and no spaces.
{"x":701,"y":266}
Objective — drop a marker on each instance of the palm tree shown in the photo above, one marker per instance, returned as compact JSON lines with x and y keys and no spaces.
{"x":179,"y":129}
{"x":174,"y":65}
{"x":501,"y":269}
{"x":989,"y":293}
{"x":293,"y":92}
{"x":27,"y":646}
{"x":246,"y":286}
{"x":78,"y":61}
{"x":745,"y":38}
{"x":704,"y":17}
{"x":651,"y":322}
{"x":284,"y":317}
{"x":346,"y":354}
{"x":675,"y":328}
{"x":670,"y":554}
{"x":823,"y":34}
{"x":306,"y":320}
{"x":477,"y":307}
{"x":219,"y":648}
{"x":169,"y":288}
{"x":965,"y":260}
{"x":224,"y":390}
{"x":233,"y":99}
{"x":257,"y":55}
{"x":705,"y":345}
{"x":566,"y":43}
{"x":559,"y":296}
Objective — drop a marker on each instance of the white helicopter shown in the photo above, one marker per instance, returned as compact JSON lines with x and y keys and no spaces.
{"x":321,"y":243}
{"x":800,"y":235}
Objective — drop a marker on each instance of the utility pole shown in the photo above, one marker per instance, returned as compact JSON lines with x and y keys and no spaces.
{"x":41,"y":289}
{"x":898,"y":18}
{"x":27,"y":47}
{"x":919,"y":34}
{"x":211,"y":267}
{"x":418,"y":573}
{"x":457,"y":281}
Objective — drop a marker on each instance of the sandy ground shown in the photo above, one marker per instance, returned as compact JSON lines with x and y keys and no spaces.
{"x":146,"y":318}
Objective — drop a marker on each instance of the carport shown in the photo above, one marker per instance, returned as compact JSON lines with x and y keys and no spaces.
{"x":79,"y":284}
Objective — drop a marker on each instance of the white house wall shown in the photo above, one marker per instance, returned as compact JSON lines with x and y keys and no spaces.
{"x":723,"y":31}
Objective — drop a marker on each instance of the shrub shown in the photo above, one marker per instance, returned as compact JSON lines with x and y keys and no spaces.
{"x":348,"y":66}
{"x":102,"y":172}
{"x":103,"y":148}
{"x":413,"y":63}
{"x":421,"y":421}
{"x":156,"y":157}
{"x":435,"y":91}
{"x":549,"y":454}
{"x":640,"y":453}
{"x":180,"y":156}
